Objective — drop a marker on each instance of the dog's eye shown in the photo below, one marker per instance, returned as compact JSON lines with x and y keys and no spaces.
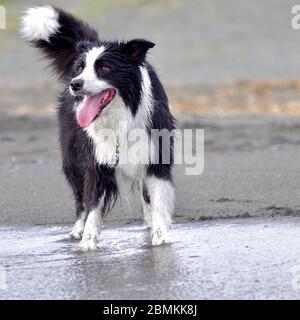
{"x":104,"y":69}
{"x":80,"y":68}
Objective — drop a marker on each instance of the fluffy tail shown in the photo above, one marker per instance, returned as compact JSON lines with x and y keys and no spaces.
{"x":56,"y":34}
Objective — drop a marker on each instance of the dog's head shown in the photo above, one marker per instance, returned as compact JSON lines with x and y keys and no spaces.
{"x":105,"y":70}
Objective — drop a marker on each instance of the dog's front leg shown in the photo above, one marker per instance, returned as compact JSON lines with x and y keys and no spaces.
{"x":100,"y":193}
{"x":92,"y":197}
{"x":91,"y":231}
{"x":161,"y":193}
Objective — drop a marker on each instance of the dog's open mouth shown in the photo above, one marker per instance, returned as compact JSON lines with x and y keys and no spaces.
{"x":93,"y":106}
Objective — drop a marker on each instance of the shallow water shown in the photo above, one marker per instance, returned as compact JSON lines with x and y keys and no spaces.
{"x":252,"y":258}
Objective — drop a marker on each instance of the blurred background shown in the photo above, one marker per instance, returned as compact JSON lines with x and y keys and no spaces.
{"x":220,"y":56}
{"x":230,"y":67}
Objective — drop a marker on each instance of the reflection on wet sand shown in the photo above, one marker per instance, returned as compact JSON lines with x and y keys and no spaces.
{"x":214,"y":259}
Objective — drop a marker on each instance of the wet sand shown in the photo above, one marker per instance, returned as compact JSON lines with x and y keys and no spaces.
{"x":237,"y":259}
{"x":251,"y":168}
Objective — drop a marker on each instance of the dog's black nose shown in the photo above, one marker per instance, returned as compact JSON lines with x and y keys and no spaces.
{"x":76,"y":85}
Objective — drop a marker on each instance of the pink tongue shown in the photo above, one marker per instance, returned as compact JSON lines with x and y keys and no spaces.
{"x":91,"y":109}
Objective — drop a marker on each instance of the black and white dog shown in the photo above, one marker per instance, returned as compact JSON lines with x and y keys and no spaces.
{"x":106,"y":85}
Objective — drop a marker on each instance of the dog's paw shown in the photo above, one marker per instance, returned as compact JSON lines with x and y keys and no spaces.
{"x":77,"y":231}
{"x":86,"y":245}
{"x":160,"y":237}
{"x":73,"y":236}
{"x":147,"y":225}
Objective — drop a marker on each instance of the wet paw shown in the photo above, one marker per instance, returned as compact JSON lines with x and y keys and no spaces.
{"x":73,"y":236}
{"x":77,"y":231}
{"x":160,"y":237}
{"x":86,"y":245}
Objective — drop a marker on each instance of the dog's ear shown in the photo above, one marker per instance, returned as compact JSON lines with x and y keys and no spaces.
{"x":136,"y":49}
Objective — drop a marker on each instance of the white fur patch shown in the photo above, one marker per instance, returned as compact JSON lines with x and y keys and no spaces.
{"x":146,"y":106}
{"x":162,"y":205}
{"x":39,"y":23}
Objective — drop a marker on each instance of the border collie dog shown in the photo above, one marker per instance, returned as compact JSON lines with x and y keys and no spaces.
{"x":105,"y":84}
